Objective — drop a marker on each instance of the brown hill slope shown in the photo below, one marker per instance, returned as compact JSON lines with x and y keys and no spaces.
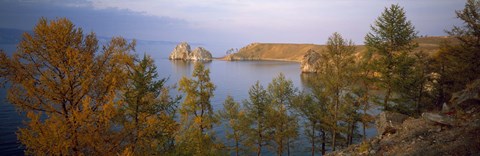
{"x":295,"y":52}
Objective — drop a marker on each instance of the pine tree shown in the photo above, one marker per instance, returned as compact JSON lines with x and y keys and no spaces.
{"x":412,"y":83}
{"x":147,"y":117}
{"x":197,"y":117}
{"x":364,"y":76}
{"x":391,"y":40}
{"x":284,"y":124}
{"x":336,"y":78}
{"x":350,"y":116}
{"x":312,"y":112}
{"x":68,"y":90}
{"x":256,"y":116}
{"x":234,"y":115}
{"x":457,"y":63}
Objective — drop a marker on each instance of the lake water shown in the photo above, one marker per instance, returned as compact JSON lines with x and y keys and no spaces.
{"x":230,"y":78}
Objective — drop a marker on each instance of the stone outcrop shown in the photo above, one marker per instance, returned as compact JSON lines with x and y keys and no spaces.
{"x":389,"y":122}
{"x":421,"y":137}
{"x":452,"y":132}
{"x":183,"y":52}
{"x":463,"y":102}
{"x":310,"y":61}
{"x":466,"y":98}
{"x":200,"y":54}
{"x":440,"y":118}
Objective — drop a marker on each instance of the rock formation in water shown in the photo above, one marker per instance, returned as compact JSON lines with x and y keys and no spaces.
{"x":183,"y":52}
{"x":310,"y":61}
{"x":180,"y":52}
{"x":200,"y":54}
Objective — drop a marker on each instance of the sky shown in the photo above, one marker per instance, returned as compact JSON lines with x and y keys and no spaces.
{"x":223,"y":24}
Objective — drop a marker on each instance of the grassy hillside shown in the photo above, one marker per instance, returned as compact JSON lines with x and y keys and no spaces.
{"x":295,"y":52}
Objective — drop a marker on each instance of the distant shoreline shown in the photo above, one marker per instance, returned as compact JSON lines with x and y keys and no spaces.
{"x":294,"y":52}
{"x":254,"y":59}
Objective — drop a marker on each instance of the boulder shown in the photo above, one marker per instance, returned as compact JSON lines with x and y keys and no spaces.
{"x":389,"y":122}
{"x":310,"y":61}
{"x":439,"y":118}
{"x":181,"y":52}
{"x":200,"y":54}
{"x":468,"y":98}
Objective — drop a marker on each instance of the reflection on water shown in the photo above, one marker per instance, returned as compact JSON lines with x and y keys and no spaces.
{"x":308,"y":80}
{"x":181,"y":67}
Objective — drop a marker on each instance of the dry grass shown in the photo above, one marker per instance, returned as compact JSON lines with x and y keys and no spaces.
{"x":295,"y":52}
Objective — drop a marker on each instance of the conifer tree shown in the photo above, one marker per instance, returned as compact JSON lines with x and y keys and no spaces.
{"x":457,"y":62}
{"x":391,"y":40}
{"x":147,"y":117}
{"x":68,"y":90}
{"x":283,"y":122}
{"x":256,"y":116}
{"x":336,"y":78}
{"x":312,"y":112}
{"x":350,"y":116}
{"x":365,"y":78}
{"x":234,"y":117}
{"x":197,"y":117}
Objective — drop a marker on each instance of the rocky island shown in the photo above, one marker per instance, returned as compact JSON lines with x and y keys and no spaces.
{"x":183,"y":52}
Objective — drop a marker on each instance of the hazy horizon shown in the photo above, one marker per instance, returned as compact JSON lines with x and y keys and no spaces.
{"x":219,"y":25}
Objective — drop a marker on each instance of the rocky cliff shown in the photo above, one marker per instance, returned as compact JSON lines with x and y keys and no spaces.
{"x":310,"y":61}
{"x":183,"y":52}
{"x":200,"y":54}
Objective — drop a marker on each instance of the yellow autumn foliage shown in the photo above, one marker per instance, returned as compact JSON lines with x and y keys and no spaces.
{"x":68,"y":87}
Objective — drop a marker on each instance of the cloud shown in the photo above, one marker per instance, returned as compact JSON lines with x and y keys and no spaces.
{"x":234,"y":22}
{"x":106,"y":22}
{"x":276,"y":17}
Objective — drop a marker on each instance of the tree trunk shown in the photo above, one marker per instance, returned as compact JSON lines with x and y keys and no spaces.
{"x":324,"y":140}
{"x":281,"y":147}
{"x":313,"y":138}
{"x":419,"y":101}
{"x":136,"y":133}
{"x":288,"y":146}
{"x":365,"y":107}
{"x":364,"y":137}
{"x":349,"y":135}
{"x":352,"y":129}
{"x":259,"y":147}
{"x":237,"y":139}
{"x":334,"y":134}
{"x":387,"y":98}
{"x":236,"y":148}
